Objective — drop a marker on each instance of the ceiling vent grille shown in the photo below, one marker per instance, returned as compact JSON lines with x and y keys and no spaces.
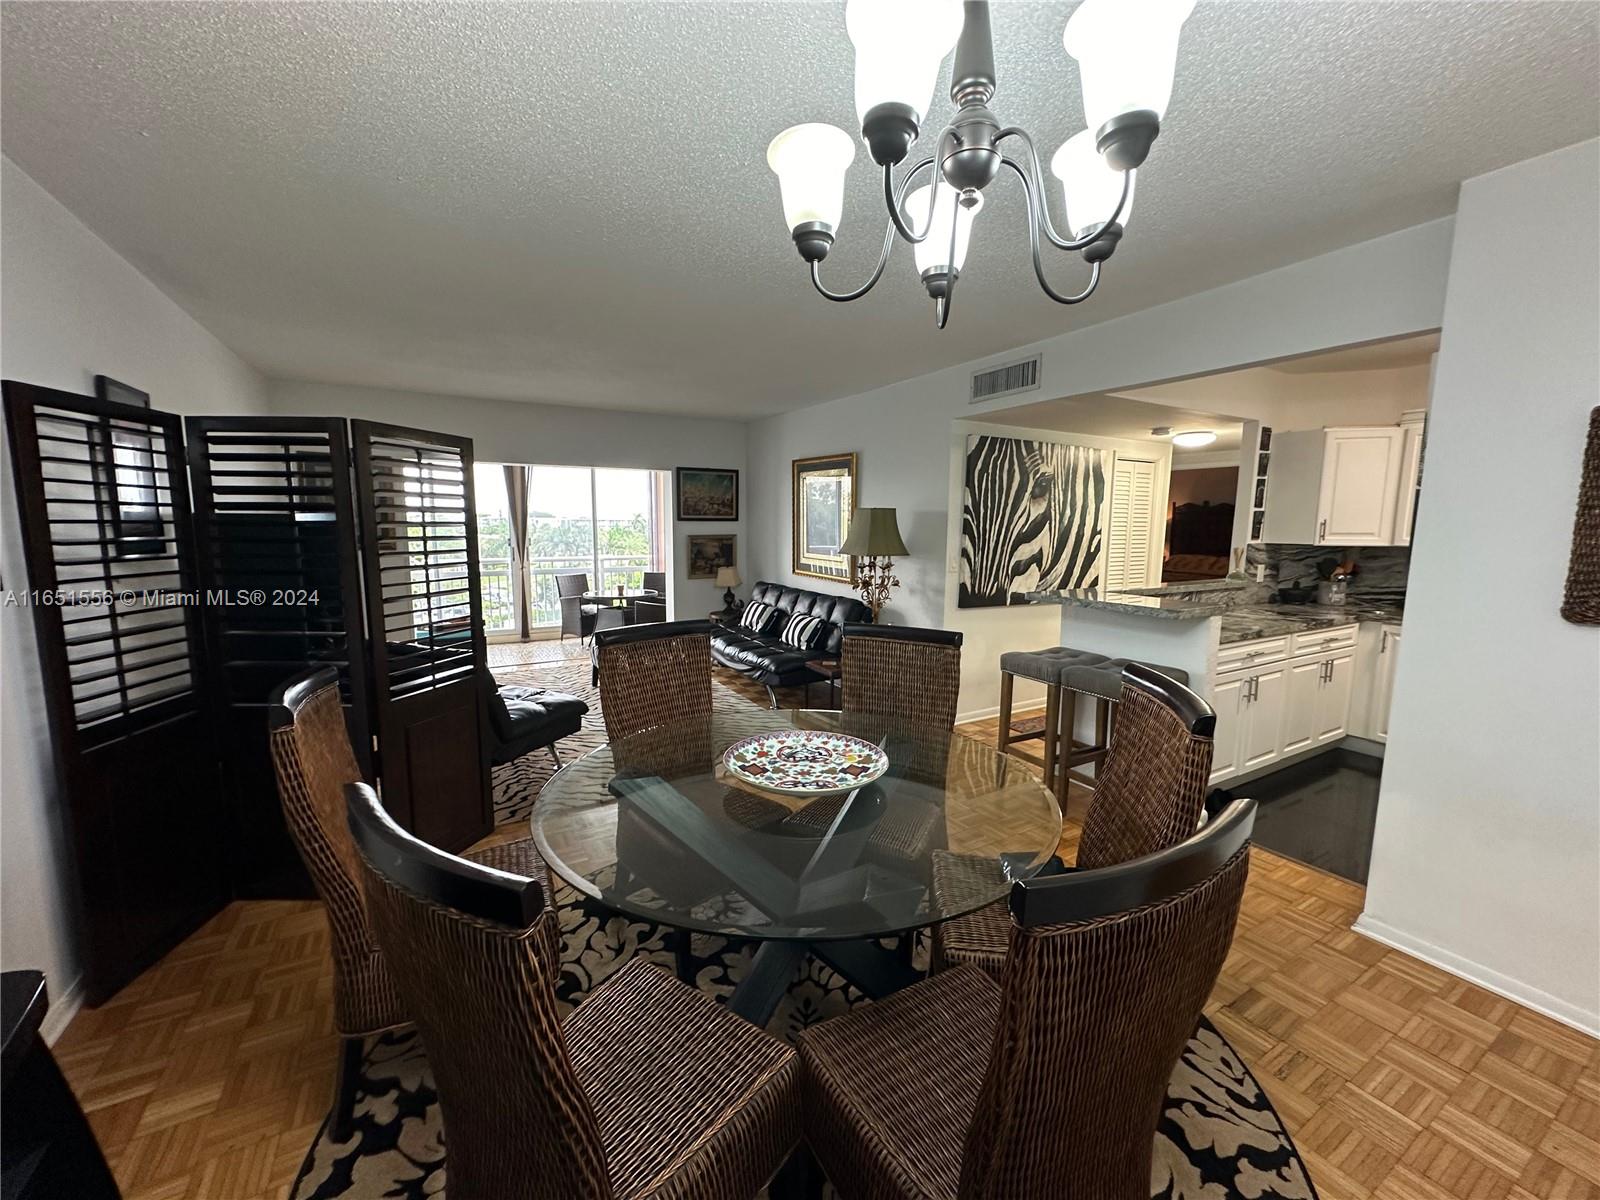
{"x":1005,"y":381}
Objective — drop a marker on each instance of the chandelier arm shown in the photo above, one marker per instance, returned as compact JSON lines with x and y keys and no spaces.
{"x":893,"y":195}
{"x":942,"y":305}
{"x":1040,"y":198}
{"x":888,"y":238}
{"x":1038,"y":261}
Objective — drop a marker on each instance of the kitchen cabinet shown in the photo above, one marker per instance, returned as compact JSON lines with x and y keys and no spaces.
{"x":1383,"y":681}
{"x":1300,"y":705}
{"x":1333,"y":700}
{"x":1335,"y":487}
{"x":1261,"y":729}
{"x":1410,"y":486}
{"x":1227,"y":699}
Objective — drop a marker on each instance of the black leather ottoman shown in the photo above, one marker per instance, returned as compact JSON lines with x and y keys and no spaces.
{"x":524,"y":719}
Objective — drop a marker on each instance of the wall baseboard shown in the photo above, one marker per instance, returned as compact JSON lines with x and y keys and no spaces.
{"x":1557,"y":1009}
{"x":62,"y":1009}
{"x":983,"y":714}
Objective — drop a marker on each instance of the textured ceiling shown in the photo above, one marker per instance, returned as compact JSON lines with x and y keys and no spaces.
{"x":570,"y":202}
{"x":1099,"y":415}
{"x":1375,"y":356}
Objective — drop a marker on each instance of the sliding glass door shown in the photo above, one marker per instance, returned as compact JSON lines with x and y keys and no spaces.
{"x":608,"y":524}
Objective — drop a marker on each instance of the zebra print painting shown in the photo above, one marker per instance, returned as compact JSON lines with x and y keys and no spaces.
{"x":1031,"y":519}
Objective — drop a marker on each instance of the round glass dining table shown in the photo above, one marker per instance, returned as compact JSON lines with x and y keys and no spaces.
{"x":655,"y":826}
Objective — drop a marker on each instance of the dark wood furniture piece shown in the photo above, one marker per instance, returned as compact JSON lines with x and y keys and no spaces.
{"x":47,"y":1149}
{"x":1051,"y":1082}
{"x":901,"y":671}
{"x":648,"y":1089}
{"x":725,"y":616}
{"x":314,"y":763}
{"x":829,"y":673}
{"x":651,"y":825}
{"x":1151,"y":796}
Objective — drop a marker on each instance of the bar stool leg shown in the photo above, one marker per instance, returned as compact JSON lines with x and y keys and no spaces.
{"x":1064,"y":754}
{"x":1006,"y":680}
{"x":1052,"y":726}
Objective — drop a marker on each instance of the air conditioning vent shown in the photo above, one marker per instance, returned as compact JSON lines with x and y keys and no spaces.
{"x":1005,"y":381}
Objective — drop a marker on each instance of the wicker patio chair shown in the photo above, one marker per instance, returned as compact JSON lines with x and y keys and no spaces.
{"x":577,"y":618}
{"x":656,"y":581}
{"x":1049,"y":1084}
{"x":652,"y":674}
{"x":1151,"y":794}
{"x":649,"y":1088}
{"x":313,"y":760}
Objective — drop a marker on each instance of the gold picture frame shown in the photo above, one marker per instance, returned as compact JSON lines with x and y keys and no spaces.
{"x":823,"y":502}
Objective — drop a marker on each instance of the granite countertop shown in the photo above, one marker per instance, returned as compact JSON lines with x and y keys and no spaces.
{"x":1170,"y":601}
{"x":1248,"y":622}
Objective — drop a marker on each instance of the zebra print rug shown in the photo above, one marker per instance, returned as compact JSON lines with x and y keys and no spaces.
{"x":1219,"y":1136}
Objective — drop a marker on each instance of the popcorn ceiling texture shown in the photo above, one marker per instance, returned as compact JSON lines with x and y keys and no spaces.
{"x":570,"y":202}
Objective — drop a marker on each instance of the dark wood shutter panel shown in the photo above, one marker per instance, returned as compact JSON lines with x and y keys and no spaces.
{"x":275,"y":529}
{"x":419,"y":554}
{"x":104,"y":508}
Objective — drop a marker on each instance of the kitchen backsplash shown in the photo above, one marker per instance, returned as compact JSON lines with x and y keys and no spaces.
{"x":1381,"y":580}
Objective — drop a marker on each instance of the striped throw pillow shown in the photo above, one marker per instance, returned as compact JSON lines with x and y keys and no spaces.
{"x":801,"y":631}
{"x":756,"y":615}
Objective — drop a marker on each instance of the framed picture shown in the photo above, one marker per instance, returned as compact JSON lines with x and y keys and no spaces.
{"x":824,"y":502}
{"x":707,"y":494}
{"x":708,"y":551}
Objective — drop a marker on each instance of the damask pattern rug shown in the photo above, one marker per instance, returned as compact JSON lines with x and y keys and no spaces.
{"x":1219,"y":1137}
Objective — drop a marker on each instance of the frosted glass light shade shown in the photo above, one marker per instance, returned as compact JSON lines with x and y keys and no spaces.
{"x":1092,"y":187}
{"x":932,"y":251}
{"x":899,"y":47}
{"x":1194,"y":438}
{"x":1127,"y":52}
{"x":810,"y":161}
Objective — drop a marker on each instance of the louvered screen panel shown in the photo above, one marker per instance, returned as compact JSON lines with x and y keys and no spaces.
{"x":420,"y":559}
{"x":105,"y":516}
{"x":275,"y":529}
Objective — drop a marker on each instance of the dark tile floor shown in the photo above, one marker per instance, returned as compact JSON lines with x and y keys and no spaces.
{"x":1320,"y":812}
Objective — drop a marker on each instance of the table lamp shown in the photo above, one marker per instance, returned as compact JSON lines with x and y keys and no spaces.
{"x":728,"y":577}
{"x":874,"y":539}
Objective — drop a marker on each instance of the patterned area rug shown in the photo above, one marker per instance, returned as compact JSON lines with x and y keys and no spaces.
{"x":1219,"y":1136}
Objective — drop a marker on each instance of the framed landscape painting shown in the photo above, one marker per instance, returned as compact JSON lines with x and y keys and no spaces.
{"x":707,"y":494}
{"x":824,"y":502}
{"x":708,"y":551}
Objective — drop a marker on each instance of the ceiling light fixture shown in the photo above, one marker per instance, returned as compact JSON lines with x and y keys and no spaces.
{"x":1193,"y":438}
{"x":1127,"y":55}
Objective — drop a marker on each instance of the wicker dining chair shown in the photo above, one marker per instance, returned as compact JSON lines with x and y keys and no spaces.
{"x":903,"y":672}
{"x":1151,"y":794}
{"x":1049,"y":1084}
{"x":651,"y":674}
{"x":649,"y":1088}
{"x":313,"y":760}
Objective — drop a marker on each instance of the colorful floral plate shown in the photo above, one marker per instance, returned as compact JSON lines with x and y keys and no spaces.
{"x":805,"y":762}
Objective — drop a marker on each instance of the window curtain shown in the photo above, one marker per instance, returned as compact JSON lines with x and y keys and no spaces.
{"x":517,"y":510}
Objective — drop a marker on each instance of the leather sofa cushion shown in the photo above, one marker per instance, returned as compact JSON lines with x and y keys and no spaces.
{"x":523,"y":709}
{"x":837,"y":611}
{"x":744,"y":651}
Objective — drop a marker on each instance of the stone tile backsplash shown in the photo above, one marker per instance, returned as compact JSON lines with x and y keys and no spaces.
{"x":1381,"y":580}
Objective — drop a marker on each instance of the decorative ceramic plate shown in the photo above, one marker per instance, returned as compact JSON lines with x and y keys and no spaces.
{"x":806,"y":762}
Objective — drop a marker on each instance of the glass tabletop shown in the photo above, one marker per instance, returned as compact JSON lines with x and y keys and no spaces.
{"x":613,"y":595}
{"x":656,"y":826}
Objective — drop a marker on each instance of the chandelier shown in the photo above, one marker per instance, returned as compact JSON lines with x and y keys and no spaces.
{"x":1127,"y":53}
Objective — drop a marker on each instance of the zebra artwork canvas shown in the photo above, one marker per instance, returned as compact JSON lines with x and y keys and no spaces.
{"x":1031,"y":519}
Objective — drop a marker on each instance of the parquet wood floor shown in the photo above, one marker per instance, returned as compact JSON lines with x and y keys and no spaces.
{"x":209,"y":1075}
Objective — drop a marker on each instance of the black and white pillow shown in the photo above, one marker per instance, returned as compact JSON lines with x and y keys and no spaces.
{"x":801,"y":631}
{"x":756,"y":615}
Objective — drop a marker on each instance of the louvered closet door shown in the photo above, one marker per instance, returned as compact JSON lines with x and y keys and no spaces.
{"x":275,"y":528}
{"x":104,"y":509}
{"x":419,"y":554}
{"x":1131,"y":536}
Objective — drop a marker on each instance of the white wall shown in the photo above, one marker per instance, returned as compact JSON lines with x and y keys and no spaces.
{"x":1487,"y":858}
{"x":560,"y":435}
{"x":1383,"y":288}
{"x":71,"y":308}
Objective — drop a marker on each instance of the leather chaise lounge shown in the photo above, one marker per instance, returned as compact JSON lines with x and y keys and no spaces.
{"x":764,"y":657}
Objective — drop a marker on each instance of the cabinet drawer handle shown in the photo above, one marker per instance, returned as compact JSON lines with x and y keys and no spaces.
{"x":1322,"y":530}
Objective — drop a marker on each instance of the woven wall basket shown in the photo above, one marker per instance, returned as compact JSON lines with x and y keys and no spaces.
{"x":1582,"y":603}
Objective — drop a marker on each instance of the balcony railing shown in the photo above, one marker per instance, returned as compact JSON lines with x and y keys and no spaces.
{"x":499,"y":594}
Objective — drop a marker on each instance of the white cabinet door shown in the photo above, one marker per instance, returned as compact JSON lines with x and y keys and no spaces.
{"x":1333,"y":698}
{"x":1262,"y":738}
{"x":1388,"y":660}
{"x":1227,"y":698}
{"x":1300,"y":704}
{"x":1410,"y":480}
{"x":1360,"y":474}
{"x":1131,"y":535}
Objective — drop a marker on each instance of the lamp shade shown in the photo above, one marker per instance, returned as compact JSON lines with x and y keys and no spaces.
{"x":932,"y":251}
{"x":1127,"y":52}
{"x":728,"y":577}
{"x":873,"y":531}
{"x":1092,"y":187}
{"x":899,"y":47}
{"x":810,"y":161}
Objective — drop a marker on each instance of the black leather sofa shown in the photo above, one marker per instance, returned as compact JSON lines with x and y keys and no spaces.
{"x":523,"y":719}
{"x":765,"y":658}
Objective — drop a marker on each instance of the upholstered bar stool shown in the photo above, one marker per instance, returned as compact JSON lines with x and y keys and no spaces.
{"x":1046,"y":667}
{"x":1101,"y":683}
